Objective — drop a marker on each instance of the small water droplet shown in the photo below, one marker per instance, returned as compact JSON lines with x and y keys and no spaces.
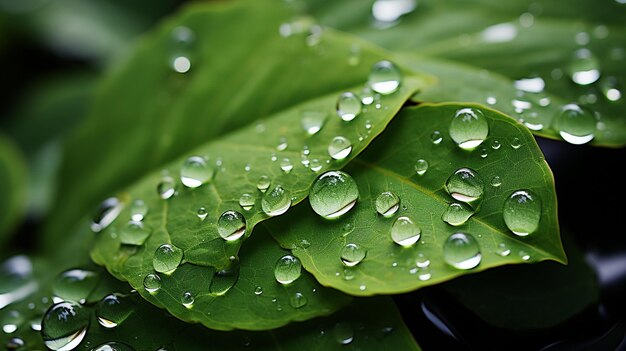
{"x":113,"y":310}
{"x":276,"y":202}
{"x":15,"y":343}
{"x":385,"y":78}
{"x":11,"y":321}
{"x":348,"y":106}
{"x":166,"y":187}
{"x":352,"y":254}
{"x":421,"y":166}
{"x":106,"y":213}
{"x":424,"y":274}
{"x":496,"y":181}
{"x":461,"y":251}
{"x":333,"y":194}
{"x":264,"y":183}
{"x":246,"y":201}
{"x":530,"y":85}
{"x":575,"y":124}
{"x":422,"y":261}
{"x":313,"y":121}
{"x":456,"y":214}
{"x":118,"y":346}
{"x":387,"y":204}
{"x":469,"y":128}
{"x":298,"y":300}
{"x":195,"y":171}
{"x":483,"y":153}
{"x":167,"y":258}
{"x":495,"y":144}
{"x":491,"y":100}
{"x":522,"y":212}
{"x":135,"y":233}
{"x":64,"y":326}
{"x":405,"y":232}
{"x":202,"y":213}
{"x":187,"y":299}
{"x":502,"y":250}
{"x":231,"y":225}
{"x":339,"y":148}
{"x":225,"y":279}
{"x":288,"y":268}
{"x":75,"y":284}
{"x":436,"y":137}
{"x":610,"y":89}
{"x":465,"y":185}
{"x":282,"y":144}
{"x":516,"y":143}
{"x":258,"y":290}
{"x":286,"y":165}
{"x":354,"y":56}
{"x":584,"y":68}
{"x":138,"y":210}
{"x":524,"y":255}
{"x":316,"y":166}
{"x":343,"y":333}
{"x":152,"y":283}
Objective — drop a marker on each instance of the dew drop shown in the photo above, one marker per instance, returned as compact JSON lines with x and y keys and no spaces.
{"x":282,"y":144}
{"x":106,"y":213}
{"x":117,"y":346}
{"x":333,"y":194}
{"x":465,"y":185}
{"x":530,"y":85}
{"x":195,"y":172}
{"x":496,"y":181}
{"x":258,"y":290}
{"x":11,"y":321}
{"x":456,"y":214}
{"x":495,"y":144}
{"x":225,"y":279}
{"x":288,"y":268}
{"x":610,"y":89}
{"x":113,"y":310}
{"x":385,"y":78}
{"x":263,"y":184}
{"x":491,"y":100}
{"x":313,"y":121}
{"x":231,"y":225}
{"x":469,"y":128}
{"x":276,"y":202}
{"x":187,"y":299}
{"x":343,"y":333}
{"x":584,"y":68}
{"x":316,"y":166}
{"x":436,"y":137}
{"x":352,"y":254}
{"x":166,"y":187}
{"x":202,"y":213}
{"x":246,"y":201}
{"x":524,"y":255}
{"x":286,"y":165}
{"x":298,"y":300}
{"x":167,"y":258}
{"x":138,"y":210}
{"x":502,"y":250}
{"x":387,"y":204}
{"x":422,"y":261}
{"x":516,"y":143}
{"x":152,"y":283}
{"x":339,"y":148}
{"x":522,"y":212}
{"x":64,"y":326}
{"x":348,"y":106}
{"x":575,"y":124}
{"x":424,"y":274}
{"x":421,"y":166}
{"x":135,"y":233}
{"x":461,"y":251}
{"x":405,"y":232}
{"x":75,"y":284}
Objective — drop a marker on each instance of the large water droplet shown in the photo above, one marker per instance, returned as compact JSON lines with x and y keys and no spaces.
{"x":298,"y":300}
{"x":246,"y":201}
{"x":404,"y":232}
{"x":135,"y":233}
{"x":465,"y":185}
{"x":166,"y":187}
{"x":575,"y":124}
{"x":263,"y":183}
{"x":195,"y":172}
{"x":469,"y":128}
{"x":343,"y":333}
{"x":352,"y":254}
{"x":113,"y":310}
{"x":138,"y":210}
{"x":75,"y":284}
{"x":461,"y":251}
{"x":421,"y":166}
{"x":333,"y":193}
{"x":231,"y":225}
{"x":387,"y":204}
{"x":339,"y":148}
{"x":225,"y":279}
{"x":288,"y":268}
{"x":522,"y":212}
{"x":584,"y":68}
{"x":313,"y":121}
{"x":167,"y":258}
{"x":116,"y":346}
{"x":384,"y":78}
{"x":348,"y":106}
{"x":106,"y":213}
{"x":64,"y":326}
{"x":276,"y":202}
{"x":152,"y":283}
{"x":456,"y":214}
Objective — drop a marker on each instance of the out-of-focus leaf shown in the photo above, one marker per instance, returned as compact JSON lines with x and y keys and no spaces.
{"x":12,"y":187}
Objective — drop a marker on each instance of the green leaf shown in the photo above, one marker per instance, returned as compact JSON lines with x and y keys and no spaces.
{"x":12,"y":187}
{"x":389,"y":165}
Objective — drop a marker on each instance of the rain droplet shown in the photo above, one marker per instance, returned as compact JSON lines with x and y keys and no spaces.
{"x":421,"y":166}
{"x":231,"y":225}
{"x":286,"y":165}
{"x":469,"y":128}
{"x":138,"y":210}
{"x":152,"y":283}
{"x":422,"y":261}
{"x":276,"y":202}
{"x":343,"y":333}
{"x":516,"y":143}
{"x":496,"y":181}
{"x":502,"y":250}
{"x":522,"y":212}
{"x":113,"y":310}
{"x":166,"y":187}
{"x":225,"y":279}
{"x":436,"y":137}
{"x":352,"y":254}
{"x":258,"y":290}
{"x":246,"y":201}
{"x":584,"y":68}
{"x":491,"y":100}
{"x":348,"y":106}
{"x":195,"y":172}
{"x":461,"y":251}
{"x":288,"y":268}
{"x":106,"y":213}
{"x":387,"y":204}
{"x":484,"y":153}
{"x":404,"y":232}
{"x":187,"y":299}
{"x":117,"y":346}
{"x":297,"y":300}
{"x":75,"y":284}
{"x":333,"y":194}
{"x":465,"y":185}
{"x":316,"y":166}
{"x":313,"y":121}
{"x":202,"y":213}
{"x":264,"y":183}
{"x":495,"y":144}
{"x":456,"y":214}
{"x":135,"y":233}
{"x":64,"y":326}
{"x":339,"y":148}
{"x":575,"y":124}
{"x":167,"y":258}
{"x":384,"y":78}
{"x":524,"y":255}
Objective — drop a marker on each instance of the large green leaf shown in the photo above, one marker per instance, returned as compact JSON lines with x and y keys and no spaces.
{"x":509,"y":152}
{"x":12,"y":187}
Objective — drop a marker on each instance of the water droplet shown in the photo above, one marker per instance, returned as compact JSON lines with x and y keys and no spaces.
{"x":117,"y":346}
{"x":387,"y":204}
{"x":530,"y":85}
{"x":436,"y":137}
{"x":352,"y":254}
{"x":246,"y":201}
{"x":516,"y":143}
{"x":258,"y":290}
{"x":502,"y":250}
{"x":15,"y":343}
{"x":348,"y":106}
{"x":152,"y":283}
{"x":138,"y":210}
{"x":135,"y":233}
{"x":384,"y":78}
{"x":288,"y":268}
{"x":343,"y":333}
{"x":339,"y":148}
{"x":167,"y":258}
{"x":75,"y":284}
{"x":274,"y":157}
{"x":225,"y":279}
{"x":495,"y":144}
{"x":584,"y":68}
{"x":231,"y":225}
{"x":422,"y":261}
{"x":264,"y":183}
{"x":404,"y":232}
{"x":297,"y":300}
{"x":113,"y":310}
{"x":524,"y":255}
{"x":286,"y":165}
{"x":187,"y":299}
{"x":316,"y":166}
{"x":202,"y":213}
{"x":469,"y":128}
{"x":313,"y":121}
{"x":276,"y":202}
{"x":389,"y":11}
{"x":484,"y":153}
{"x":496,"y":181}
{"x":461,"y":251}
{"x":610,"y":89}
{"x":575,"y":124}
{"x":333,"y":194}
{"x":362,"y":287}
{"x":421,"y":166}
{"x":166,"y":187}
{"x":456,"y":214}
{"x":282,"y":144}
{"x":64,"y":326}
{"x":522,"y":212}
{"x":11,"y":321}
{"x":491,"y":100}
{"x":424,"y":274}
{"x":195,"y":172}
{"x":106,"y":213}
{"x":465,"y":185}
